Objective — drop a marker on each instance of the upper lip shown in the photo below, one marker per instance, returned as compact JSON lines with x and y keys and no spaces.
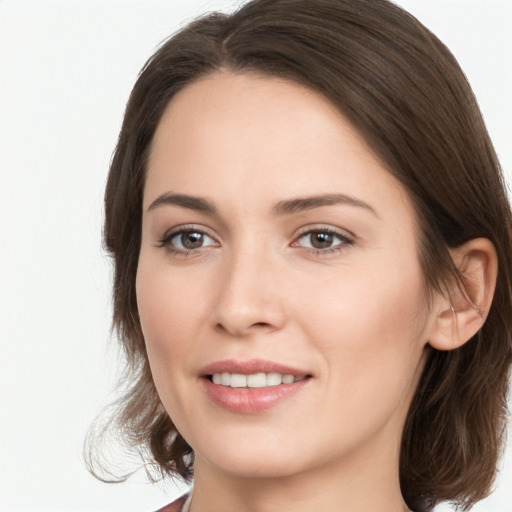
{"x":251,"y":366}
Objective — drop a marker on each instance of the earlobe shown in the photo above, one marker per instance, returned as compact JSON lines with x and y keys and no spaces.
{"x":463,"y":310}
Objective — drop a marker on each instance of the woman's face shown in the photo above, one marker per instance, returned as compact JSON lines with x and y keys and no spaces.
{"x":279,"y":287}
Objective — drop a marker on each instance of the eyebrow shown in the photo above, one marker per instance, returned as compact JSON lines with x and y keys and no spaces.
{"x":285,"y":207}
{"x":185,"y":201}
{"x":307,"y":203}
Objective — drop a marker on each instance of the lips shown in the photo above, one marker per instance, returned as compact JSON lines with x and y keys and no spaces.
{"x":251,"y":386}
{"x":251,"y":366}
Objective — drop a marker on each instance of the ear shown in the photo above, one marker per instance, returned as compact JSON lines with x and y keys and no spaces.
{"x":462,"y":311}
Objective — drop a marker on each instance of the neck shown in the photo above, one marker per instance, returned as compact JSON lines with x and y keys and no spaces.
{"x":363,"y":487}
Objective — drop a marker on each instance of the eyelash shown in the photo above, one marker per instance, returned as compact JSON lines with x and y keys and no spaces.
{"x":344,"y":240}
{"x":165,"y":241}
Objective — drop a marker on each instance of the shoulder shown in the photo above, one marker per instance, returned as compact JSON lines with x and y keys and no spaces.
{"x":175,"y":506}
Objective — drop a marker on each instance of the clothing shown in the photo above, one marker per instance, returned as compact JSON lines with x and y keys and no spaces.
{"x":180,"y":505}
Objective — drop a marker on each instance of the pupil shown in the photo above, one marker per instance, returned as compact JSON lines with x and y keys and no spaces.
{"x":321,"y":240}
{"x":192,"y":240}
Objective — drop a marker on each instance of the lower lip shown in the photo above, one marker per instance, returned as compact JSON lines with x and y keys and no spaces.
{"x":251,"y":400}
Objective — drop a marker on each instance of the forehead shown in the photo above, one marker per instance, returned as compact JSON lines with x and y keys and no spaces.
{"x":248,"y":136}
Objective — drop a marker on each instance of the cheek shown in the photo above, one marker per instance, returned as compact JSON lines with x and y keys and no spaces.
{"x":372,"y":354}
{"x":169,"y":315}
{"x":169,"y":311}
{"x":374,"y":329}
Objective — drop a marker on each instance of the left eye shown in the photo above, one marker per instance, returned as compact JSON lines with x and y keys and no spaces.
{"x":321,"y":240}
{"x":189,"y":240}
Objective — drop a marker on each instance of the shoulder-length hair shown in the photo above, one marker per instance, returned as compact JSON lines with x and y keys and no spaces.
{"x":403,"y":90}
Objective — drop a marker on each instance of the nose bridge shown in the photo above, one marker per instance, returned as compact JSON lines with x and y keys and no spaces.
{"x":249,"y":298}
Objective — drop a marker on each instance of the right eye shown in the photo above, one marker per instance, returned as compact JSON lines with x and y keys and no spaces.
{"x":186,"y":240}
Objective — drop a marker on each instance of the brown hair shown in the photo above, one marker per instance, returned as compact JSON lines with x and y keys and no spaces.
{"x":405,"y":93}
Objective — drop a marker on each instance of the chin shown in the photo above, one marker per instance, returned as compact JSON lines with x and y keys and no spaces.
{"x":261,"y":466}
{"x":247,"y":456}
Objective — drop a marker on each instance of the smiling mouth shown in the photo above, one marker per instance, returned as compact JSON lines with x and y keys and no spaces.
{"x":252,"y":386}
{"x":254,"y":380}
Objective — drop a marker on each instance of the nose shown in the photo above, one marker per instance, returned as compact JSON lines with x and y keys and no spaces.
{"x":250,"y":298}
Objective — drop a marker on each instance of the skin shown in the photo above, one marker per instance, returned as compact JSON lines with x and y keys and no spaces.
{"x":353,"y":315}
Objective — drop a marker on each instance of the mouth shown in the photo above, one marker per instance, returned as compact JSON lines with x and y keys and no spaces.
{"x":252,"y":386}
{"x":254,"y":380}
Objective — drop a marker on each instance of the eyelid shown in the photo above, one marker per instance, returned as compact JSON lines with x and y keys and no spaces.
{"x":346,"y":239}
{"x":163,"y":241}
{"x":344,"y":233}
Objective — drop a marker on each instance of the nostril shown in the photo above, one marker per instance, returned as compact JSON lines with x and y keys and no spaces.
{"x":240,"y":328}
{"x":260,"y":324}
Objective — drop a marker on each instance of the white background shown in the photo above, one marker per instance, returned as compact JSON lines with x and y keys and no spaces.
{"x":66,"y":69}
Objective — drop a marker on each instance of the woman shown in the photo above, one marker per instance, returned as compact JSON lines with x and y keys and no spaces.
{"x":312,"y":247}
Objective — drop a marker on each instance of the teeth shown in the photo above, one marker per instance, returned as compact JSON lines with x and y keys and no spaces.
{"x":288,"y":379}
{"x":238,"y":380}
{"x":254,"y":380}
{"x":274,"y":379}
